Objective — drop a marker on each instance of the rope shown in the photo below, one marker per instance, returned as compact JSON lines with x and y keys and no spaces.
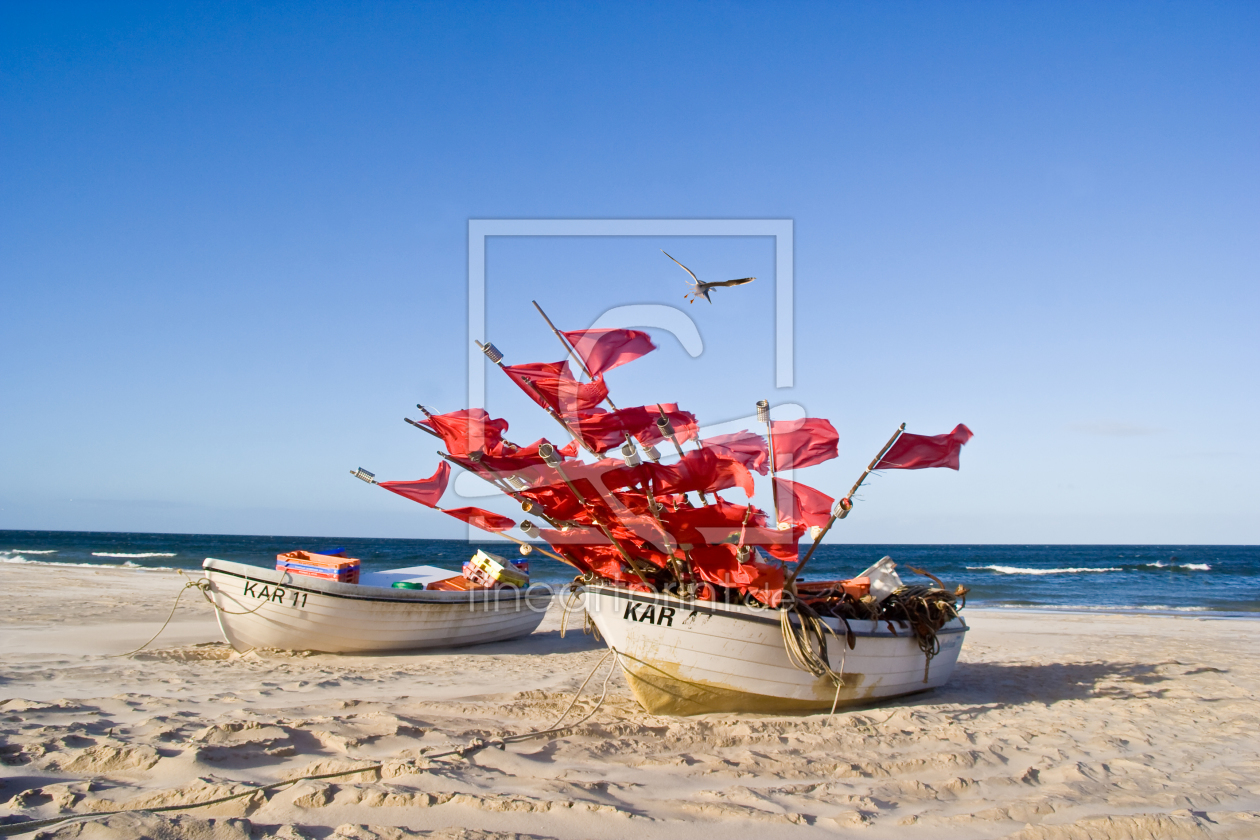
{"x":192,"y":584}
{"x":202,"y":585}
{"x":799,"y":645}
{"x":473,"y":746}
{"x":570,"y":600}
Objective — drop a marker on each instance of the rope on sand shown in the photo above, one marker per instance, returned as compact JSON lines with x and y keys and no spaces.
{"x":473,"y":746}
{"x":203,"y":586}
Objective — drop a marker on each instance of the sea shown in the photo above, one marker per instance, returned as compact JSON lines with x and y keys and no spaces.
{"x":1207,"y":580}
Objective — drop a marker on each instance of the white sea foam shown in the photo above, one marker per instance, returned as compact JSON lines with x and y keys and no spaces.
{"x":144,"y":554}
{"x":32,"y":551}
{"x":1015,"y":570}
{"x":14,"y":557}
{"x":1108,"y":608}
{"x":1196,"y":567}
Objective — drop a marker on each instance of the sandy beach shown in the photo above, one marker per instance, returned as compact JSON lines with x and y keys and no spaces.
{"x":1054,"y":726}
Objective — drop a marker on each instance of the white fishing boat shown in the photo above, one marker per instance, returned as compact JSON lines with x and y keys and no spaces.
{"x":699,"y":593}
{"x":686,"y":657}
{"x":265,"y":608}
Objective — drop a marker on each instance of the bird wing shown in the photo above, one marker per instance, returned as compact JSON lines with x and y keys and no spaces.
{"x":738,"y":282}
{"x":684,"y":268}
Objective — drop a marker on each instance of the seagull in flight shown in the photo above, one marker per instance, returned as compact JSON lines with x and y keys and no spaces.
{"x":701,"y":290}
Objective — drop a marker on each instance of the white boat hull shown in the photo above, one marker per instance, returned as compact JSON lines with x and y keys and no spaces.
{"x":691,"y":657}
{"x":264,"y":608}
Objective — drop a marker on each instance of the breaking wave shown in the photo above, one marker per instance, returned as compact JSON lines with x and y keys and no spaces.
{"x":1015,"y":570}
{"x":16,"y":557}
{"x":32,"y":551}
{"x":143,"y":554}
{"x":1158,"y":564}
{"x":1104,"y":608}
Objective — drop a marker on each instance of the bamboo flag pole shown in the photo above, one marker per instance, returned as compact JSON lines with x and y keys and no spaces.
{"x":763,"y":414}
{"x":548,"y":453}
{"x":493,"y":354}
{"x":538,"y":548}
{"x":570,"y":349}
{"x":521,"y":542}
{"x":573,"y":354}
{"x":421,"y":426}
{"x":843,"y":506}
{"x":666,"y":429}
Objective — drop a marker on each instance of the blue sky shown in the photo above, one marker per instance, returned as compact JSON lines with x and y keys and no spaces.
{"x":233,"y":248}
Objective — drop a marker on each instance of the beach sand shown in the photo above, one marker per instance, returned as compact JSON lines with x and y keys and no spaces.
{"x":1054,"y":726}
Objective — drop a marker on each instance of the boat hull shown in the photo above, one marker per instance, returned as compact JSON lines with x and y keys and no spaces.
{"x":693,"y":657}
{"x":264,"y":608}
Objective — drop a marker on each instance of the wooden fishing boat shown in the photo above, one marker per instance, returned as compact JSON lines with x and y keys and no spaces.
{"x":686,"y":657}
{"x":265,"y":608}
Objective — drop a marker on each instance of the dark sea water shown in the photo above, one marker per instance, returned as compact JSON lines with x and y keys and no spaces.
{"x":1181,"y":578}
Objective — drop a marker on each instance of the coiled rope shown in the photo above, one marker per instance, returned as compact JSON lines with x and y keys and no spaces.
{"x":800,"y":639}
{"x":473,"y":746}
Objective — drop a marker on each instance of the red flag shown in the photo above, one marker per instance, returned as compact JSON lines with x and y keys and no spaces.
{"x":712,"y":524}
{"x":552,"y":385}
{"x":685,"y":425}
{"x":803,"y":443}
{"x":801,"y":504}
{"x":603,"y":350}
{"x":603,"y":430}
{"x":781,"y":545}
{"x":483,"y":519}
{"x":917,"y":452}
{"x":718,"y":564}
{"x":469,"y":430}
{"x":426,"y":491}
{"x":744,"y":446}
{"x":702,"y":470}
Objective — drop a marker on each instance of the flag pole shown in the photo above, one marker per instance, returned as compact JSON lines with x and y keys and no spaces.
{"x":842,"y":507}
{"x":666,"y":429}
{"x":548,"y":453}
{"x":537,"y":548}
{"x":493,"y":354}
{"x":421,"y":426}
{"x":871,"y":468}
{"x":520,"y":542}
{"x":763,"y":414}
{"x":571,"y":350}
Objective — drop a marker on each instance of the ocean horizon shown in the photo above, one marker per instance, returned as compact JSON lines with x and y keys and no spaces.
{"x":1182,"y":579}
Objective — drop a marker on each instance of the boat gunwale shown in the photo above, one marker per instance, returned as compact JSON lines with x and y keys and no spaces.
{"x":739,"y":611}
{"x":412,"y":596}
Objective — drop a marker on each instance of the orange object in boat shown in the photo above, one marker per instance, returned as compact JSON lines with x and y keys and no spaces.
{"x":459,"y":583}
{"x":858,"y":587}
{"x":324,"y":566}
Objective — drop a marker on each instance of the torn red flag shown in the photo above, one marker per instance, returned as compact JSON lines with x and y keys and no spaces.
{"x":917,"y":452}
{"x":602,"y":430}
{"x":483,"y":519}
{"x":551,"y":385}
{"x":744,"y":446}
{"x":513,"y":459}
{"x":469,"y":430}
{"x":719,"y":564}
{"x":603,"y":350}
{"x":684,"y":423}
{"x":703,"y":471}
{"x":427,"y":491}
{"x":801,"y":504}
{"x":803,"y":443}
